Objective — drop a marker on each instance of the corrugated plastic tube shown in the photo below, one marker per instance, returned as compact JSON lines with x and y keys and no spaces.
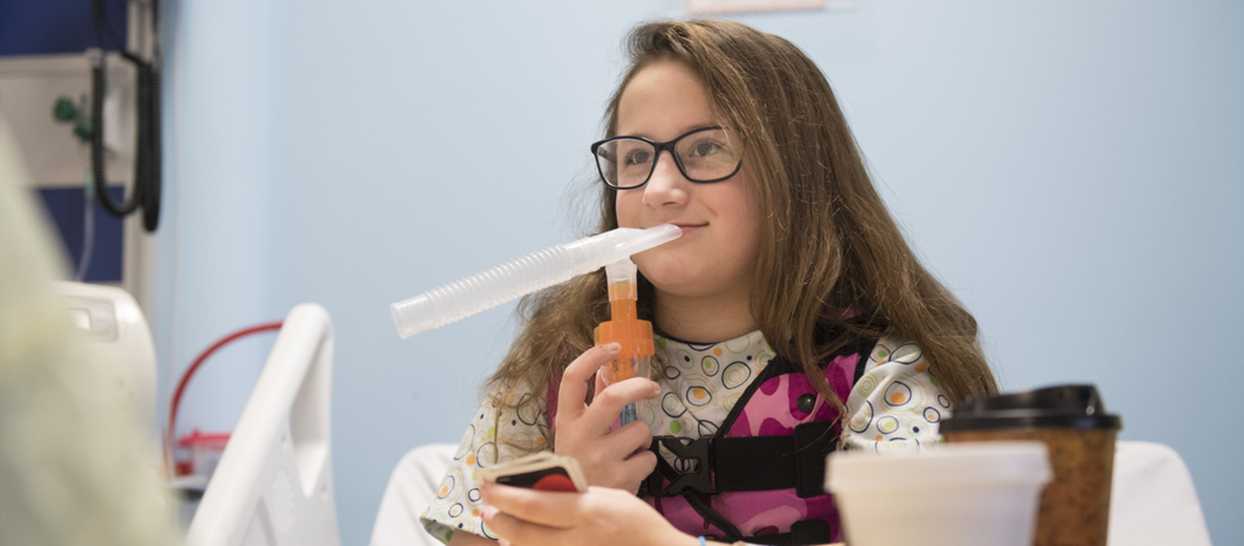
{"x":522,"y":276}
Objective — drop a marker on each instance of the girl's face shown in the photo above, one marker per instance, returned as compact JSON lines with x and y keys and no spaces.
{"x":717,"y":251}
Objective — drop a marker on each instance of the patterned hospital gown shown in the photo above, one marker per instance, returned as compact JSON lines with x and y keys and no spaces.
{"x":894,"y":405}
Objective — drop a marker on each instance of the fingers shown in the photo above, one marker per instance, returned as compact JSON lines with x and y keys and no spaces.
{"x":629,"y":439}
{"x":543,"y":508}
{"x":608,"y":402}
{"x":600,"y":380}
{"x":514,"y":531}
{"x":638,"y":467}
{"x":572,"y":392}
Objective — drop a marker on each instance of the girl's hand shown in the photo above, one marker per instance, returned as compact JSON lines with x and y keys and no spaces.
{"x":601,"y":517}
{"x":608,"y":459}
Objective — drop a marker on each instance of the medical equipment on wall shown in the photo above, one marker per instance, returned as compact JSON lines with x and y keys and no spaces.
{"x":48,"y":79}
{"x":200,"y":448}
{"x":522,"y":276}
{"x":65,"y":110}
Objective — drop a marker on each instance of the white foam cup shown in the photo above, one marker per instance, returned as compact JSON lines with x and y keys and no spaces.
{"x":963,"y":494}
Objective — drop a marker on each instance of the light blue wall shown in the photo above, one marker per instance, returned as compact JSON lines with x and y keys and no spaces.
{"x":213,"y":270}
{"x":1071,"y":169}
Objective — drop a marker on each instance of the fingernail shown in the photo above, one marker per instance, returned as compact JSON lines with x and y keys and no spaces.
{"x":488,"y":512}
{"x":613,"y":347}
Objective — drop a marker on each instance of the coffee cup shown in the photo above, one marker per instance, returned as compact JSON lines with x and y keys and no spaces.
{"x":1071,"y":421}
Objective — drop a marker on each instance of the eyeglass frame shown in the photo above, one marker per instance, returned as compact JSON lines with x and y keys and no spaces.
{"x":660,"y":147}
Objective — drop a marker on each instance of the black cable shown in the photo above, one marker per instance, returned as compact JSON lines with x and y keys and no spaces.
{"x":155,"y":176}
{"x":153,"y":148}
{"x":146,"y":188}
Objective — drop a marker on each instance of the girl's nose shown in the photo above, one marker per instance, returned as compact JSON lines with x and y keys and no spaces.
{"x":667,"y":186}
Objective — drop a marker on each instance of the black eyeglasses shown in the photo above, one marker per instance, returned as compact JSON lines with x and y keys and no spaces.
{"x":703,"y":155}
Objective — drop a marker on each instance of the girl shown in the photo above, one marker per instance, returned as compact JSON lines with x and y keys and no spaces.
{"x":792,"y":319}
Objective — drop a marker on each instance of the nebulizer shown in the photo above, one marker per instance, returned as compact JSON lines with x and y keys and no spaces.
{"x":542,"y":269}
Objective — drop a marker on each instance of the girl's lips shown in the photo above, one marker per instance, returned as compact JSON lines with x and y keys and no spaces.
{"x":688,"y":230}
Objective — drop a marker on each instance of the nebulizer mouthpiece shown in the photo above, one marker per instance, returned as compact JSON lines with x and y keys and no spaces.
{"x":633,"y":336}
{"x":516,"y":278}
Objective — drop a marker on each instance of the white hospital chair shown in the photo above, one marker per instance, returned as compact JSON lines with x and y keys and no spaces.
{"x":1153,"y":499}
{"x":274,"y":484}
{"x":119,"y":340}
{"x":412,"y":487}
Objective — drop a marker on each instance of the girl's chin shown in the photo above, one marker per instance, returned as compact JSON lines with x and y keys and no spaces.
{"x":674,"y":278}
{"x":660,"y":266}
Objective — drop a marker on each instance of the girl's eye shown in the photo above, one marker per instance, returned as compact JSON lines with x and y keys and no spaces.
{"x":705,"y":148}
{"x":637,"y":157}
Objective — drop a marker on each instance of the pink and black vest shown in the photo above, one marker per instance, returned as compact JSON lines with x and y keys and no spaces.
{"x":760,"y":477}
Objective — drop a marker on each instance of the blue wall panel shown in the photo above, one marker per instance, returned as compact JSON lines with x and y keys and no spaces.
{"x":36,"y":27}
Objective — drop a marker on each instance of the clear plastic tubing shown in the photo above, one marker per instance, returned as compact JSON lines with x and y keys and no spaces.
{"x":522,"y":276}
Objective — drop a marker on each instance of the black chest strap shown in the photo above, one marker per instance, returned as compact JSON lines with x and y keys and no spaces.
{"x":708,"y":466}
{"x":808,"y":531}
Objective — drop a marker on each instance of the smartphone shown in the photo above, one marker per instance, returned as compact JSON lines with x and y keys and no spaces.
{"x":542,"y":471}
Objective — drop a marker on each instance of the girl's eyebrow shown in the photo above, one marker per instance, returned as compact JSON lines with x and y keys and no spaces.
{"x":685,"y":130}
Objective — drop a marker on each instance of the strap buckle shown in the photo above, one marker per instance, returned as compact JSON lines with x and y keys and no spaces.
{"x":692,"y":470}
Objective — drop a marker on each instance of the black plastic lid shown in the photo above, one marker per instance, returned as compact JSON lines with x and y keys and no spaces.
{"x":1061,"y":406}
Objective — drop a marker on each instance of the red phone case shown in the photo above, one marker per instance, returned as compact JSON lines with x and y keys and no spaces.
{"x":556,"y":478}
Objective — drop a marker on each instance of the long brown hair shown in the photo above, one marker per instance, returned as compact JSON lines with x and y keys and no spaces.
{"x":828,"y":244}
